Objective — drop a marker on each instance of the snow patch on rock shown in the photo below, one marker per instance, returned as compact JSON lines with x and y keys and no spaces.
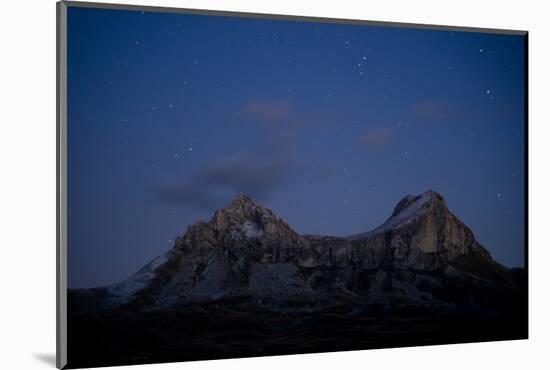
{"x":408,"y":214}
{"x":250,"y":230}
{"x":140,"y":279}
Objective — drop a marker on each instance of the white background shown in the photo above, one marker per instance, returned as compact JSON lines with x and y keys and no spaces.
{"x":27,"y":182}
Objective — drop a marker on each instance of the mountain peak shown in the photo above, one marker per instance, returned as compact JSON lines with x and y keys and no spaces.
{"x":424,"y":224}
{"x":242,"y":206}
{"x":407,"y":210}
{"x":246,"y":247}
{"x":243,"y":219}
{"x":435,"y":196}
{"x":240,"y":209}
{"x":418,"y":201}
{"x":241,"y":200}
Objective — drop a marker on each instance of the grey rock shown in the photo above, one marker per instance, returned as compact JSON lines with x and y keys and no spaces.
{"x":419,"y":255}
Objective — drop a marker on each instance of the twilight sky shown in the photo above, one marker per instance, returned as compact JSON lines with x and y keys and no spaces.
{"x":329,"y":125}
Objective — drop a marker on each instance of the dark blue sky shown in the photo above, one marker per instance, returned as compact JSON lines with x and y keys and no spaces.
{"x":329,"y":125}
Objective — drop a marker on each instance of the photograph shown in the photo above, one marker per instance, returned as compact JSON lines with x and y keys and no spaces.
{"x":244,"y":185}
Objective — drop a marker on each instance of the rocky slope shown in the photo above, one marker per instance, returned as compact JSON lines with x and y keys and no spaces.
{"x":422,"y":255}
{"x":245,"y":284}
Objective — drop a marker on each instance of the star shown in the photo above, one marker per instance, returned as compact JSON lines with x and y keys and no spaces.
{"x":190,"y":149}
{"x":364,"y":58}
{"x":481,"y":50}
{"x":499,"y":195}
{"x":488,"y":91}
{"x":196,"y":62}
{"x":345,"y":201}
{"x":176,"y":155}
{"x":170,"y":105}
{"x":137,"y":42}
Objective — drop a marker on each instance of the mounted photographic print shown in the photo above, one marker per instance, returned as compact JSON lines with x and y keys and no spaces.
{"x":236,"y":185}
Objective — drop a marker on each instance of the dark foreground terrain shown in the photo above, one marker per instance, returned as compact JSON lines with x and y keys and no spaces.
{"x":233,"y":329}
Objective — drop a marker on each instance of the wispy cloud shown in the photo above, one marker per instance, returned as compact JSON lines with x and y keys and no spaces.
{"x":377,"y":137}
{"x":260,"y":171}
{"x":430,"y":110}
{"x":266,"y":111}
{"x":217,"y":181}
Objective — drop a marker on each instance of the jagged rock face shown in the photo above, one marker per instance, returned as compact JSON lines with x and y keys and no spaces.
{"x":247,"y":250}
{"x":326,"y":251}
{"x":244,"y":249}
{"x":244,"y":224}
{"x":422,"y":234}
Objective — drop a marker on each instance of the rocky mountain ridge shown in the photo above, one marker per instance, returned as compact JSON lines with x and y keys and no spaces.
{"x":246,"y":284}
{"x":422,"y":255}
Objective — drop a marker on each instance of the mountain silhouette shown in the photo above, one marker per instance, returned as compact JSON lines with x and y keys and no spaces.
{"x":422,"y":273}
{"x":421,"y":254}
